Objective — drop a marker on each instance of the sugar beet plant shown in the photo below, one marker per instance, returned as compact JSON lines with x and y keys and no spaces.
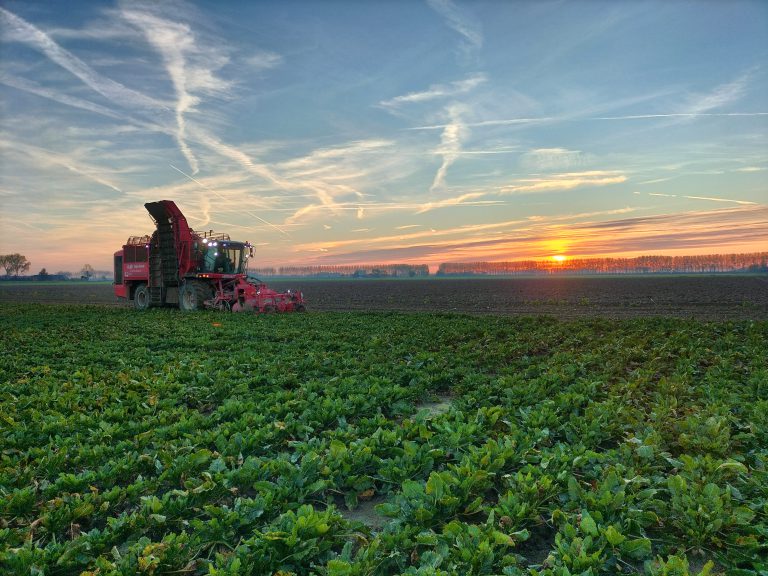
{"x":162,"y":443}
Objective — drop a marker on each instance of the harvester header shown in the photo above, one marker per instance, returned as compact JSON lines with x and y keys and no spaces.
{"x":178,"y":266}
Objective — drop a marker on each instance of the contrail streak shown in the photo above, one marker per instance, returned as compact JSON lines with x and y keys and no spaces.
{"x":224,"y":198}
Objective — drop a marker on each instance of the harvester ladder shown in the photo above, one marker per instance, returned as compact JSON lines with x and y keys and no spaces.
{"x":155,"y":279}
{"x":163,"y":264}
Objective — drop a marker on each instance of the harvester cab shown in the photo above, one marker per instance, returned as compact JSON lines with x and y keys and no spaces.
{"x":178,"y":266}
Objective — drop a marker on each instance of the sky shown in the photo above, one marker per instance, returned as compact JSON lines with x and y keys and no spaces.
{"x":400,"y":131}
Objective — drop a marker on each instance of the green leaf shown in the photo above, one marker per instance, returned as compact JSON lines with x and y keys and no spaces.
{"x":613,"y":536}
{"x":743,"y":515}
{"x":588,"y":525}
{"x":638,"y":549}
{"x":339,"y":568}
{"x":732,"y":466}
{"x":435,"y":486}
{"x":645,"y":452}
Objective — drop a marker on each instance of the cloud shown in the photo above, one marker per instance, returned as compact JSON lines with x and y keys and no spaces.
{"x":41,"y":157}
{"x":469,"y":199}
{"x":464,"y":232}
{"x":719,"y":199}
{"x":38,"y":90}
{"x":721,"y":96}
{"x":566,"y":181}
{"x":738,"y":229}
{"x":437,"y":91}
{"x":263,"y":60}
{"x":680,"y":115}
{"x":460,"y":21}
{"x":708,"y":198}
{"x":555,"y":159}
{"x":703,"y":104}
{"x":338,"y":175}
{"x":450,"y":145}
{"x":22,"y":31}
{"x":190,"y":67}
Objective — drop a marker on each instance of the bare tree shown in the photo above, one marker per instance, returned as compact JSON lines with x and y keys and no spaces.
{"x":86,"y":272}
{"x":14,"y":264}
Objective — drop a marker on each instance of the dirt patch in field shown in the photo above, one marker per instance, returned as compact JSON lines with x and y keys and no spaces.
{"x":537,"y":548}
{"x":440,"y":405}
{"x":364,"y":512}
{"x":729,"y":297}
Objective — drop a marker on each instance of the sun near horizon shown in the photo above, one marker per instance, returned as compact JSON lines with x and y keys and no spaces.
{"x":559,"y":258}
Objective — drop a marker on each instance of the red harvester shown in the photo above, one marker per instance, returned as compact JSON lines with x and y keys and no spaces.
{"x":178,"y":266}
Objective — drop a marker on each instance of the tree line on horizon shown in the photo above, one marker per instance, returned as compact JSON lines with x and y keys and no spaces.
{"x":15,"y":264}
{"x":708,"y":263}
{"x":344,"y":270}
{"x":754,"y":262}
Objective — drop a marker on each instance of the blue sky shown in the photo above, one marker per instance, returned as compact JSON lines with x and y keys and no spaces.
{"x":343,"y":132}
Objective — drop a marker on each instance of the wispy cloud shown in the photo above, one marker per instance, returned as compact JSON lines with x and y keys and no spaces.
{"x":738,"y":229}
{"x":44,"y":92}
{"x":20,"y":30}
{"x":493,"y":123}
{"x":706,"y":104}
{"x":453,"y":235}
{"x":263,"y":60}
{"x":707,"y":198}
{"x":437,"y":91}
{"x":469,"y":199}
{"x":555,"y":159}
{"x":460,"y":21}
{"x":566,"y":181}
{"x":41,"y":157}
{"x":722,"y":95}
{"x":450,"y":144}
{"x":680,"y":115}
{"x":177,"y":45}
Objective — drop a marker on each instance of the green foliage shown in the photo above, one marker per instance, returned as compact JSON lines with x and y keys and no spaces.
{"x":297,"y":444}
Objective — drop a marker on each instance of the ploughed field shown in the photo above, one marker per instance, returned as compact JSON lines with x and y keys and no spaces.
{"x":703,"y":297}
{"x":378,"y":443}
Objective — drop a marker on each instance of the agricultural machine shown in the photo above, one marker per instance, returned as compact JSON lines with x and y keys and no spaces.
{"x":192,"y":270}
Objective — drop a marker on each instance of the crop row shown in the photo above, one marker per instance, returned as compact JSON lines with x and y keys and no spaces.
{"x":163,"y":443}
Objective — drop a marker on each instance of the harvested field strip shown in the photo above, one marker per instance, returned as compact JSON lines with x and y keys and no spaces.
{"x":726,"y":297}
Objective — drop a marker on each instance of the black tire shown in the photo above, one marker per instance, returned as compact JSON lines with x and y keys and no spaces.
{"x":192,"y":295}
{"x":141,"y":299}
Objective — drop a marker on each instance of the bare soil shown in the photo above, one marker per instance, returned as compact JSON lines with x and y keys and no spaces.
{"x":705,"y":297}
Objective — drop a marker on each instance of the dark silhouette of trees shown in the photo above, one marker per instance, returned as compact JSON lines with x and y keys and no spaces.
{"x":708,"y":263}
{"x":367,"y":271}
{"x":14,"y":264}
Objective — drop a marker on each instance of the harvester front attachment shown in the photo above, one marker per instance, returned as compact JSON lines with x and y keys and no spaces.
{"x":260,"y":298}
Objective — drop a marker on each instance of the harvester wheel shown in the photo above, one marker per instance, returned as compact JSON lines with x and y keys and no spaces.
{"x":300,"y":308}
{"x":141,"y":297}
{"x":192,"y":295}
